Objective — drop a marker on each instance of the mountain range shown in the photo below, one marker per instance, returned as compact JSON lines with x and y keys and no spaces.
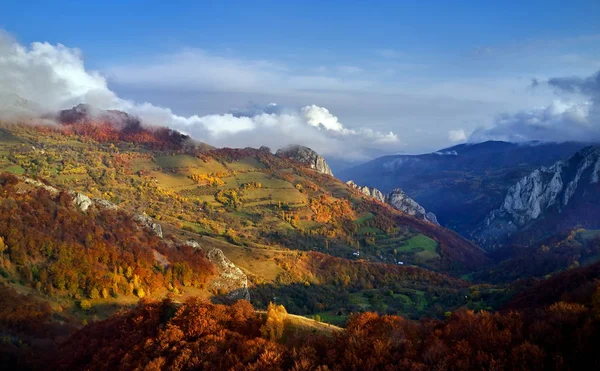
{"x":461,"y":185}
{"x":550,"y":199}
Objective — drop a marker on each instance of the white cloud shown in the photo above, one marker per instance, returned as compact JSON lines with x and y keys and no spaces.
{"x":50,"y":75}
{"x":197,"y":69}
{"x":560,"y":121}
{"x":362,"y":106}
{"x":320,"y":116}
{"x":55,"y":77}
{"x":192,"y":68}
{"x":575,"y":116}
{"x":458,"y":135}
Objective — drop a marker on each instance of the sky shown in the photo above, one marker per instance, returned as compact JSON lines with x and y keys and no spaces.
{"x":351,"y":79}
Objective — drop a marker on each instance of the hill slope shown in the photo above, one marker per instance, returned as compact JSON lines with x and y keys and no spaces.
{"x":249,"y":197}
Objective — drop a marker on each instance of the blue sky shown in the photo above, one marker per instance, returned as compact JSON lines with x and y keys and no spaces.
{"x":432,"y":72}
{"x":346,"y":27}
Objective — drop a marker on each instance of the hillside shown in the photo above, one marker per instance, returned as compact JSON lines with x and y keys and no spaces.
{"x":54,"y":243}
{"x":578,"y":285}
{"x":247,"y":196}
{"x":67,"y":260}
{"x":562,"y":251}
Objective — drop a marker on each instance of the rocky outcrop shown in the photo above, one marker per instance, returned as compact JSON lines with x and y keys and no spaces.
{"x":37,"y":183}
{"x":105,"y":204}
{"x":149,"y":223}
{"x":401,"y":201}
{"x":546,"y":190}
{"x":368,"y":191}
{"x":305,"y":156}
{"x":81,"y":201}
{"x":398,"y":200}
{"x":229,"y":277}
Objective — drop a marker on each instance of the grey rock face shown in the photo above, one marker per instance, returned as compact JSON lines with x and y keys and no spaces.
{"x":306,"y":156}
{"x":546,"y":188}
{"x":398,"y":200}
{"x":368,"y":191}
{"x":401,"y":201}
{"x":105,"y":204}
{"x":82,"y":201}
{"x":230,"y":277}
{"x":431,"y":217}
{"x":37,"y":183}
{"x":147,"y":222}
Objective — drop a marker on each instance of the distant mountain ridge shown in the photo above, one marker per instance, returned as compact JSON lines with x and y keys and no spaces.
{"x":460,"y":184}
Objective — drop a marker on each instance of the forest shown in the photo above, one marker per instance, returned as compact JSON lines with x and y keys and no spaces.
{"x":48,"y":245}
{"x":200,"y":335}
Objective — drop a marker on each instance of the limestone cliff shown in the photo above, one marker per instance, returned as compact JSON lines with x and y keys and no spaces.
{"x":545,"y":191}
{"x":305,"y":156}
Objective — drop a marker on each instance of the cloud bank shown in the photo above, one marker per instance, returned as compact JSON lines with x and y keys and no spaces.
{"x":458,"y":135}
{"x":45,"y":77}
{"x":575,"y":116}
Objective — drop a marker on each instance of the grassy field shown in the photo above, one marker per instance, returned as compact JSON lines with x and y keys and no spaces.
{"x":418,"y":242}
{"x":246,"y":164}
{"x":330,"y":317}
{"x":175,"y":181}
{"x":299,"y":325}
{"x":421,"y":246}
{"x":179,"y":161}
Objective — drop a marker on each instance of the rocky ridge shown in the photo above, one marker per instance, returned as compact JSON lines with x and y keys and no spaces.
{"x":368,"y":191}
{"x":401,"y":201}
{"x":398,"y":200}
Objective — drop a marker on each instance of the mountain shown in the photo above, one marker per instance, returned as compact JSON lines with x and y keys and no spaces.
{"x":14,"y":107}
{"x":548,"y":200}
{"x":247,"y":197}
{"x":460,"y":184}
{"x":305,"y":156}
{"x":398,"y":200}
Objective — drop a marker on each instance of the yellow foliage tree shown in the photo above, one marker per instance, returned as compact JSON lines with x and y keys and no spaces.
{"x":275,"y":323}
